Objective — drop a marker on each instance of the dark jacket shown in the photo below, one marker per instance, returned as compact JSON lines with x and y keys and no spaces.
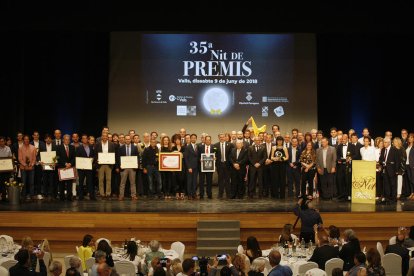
{"x":20,"y":270}
{"x":401,"y":251}
{"x":323,"y":254}
{"x":348,"y":252}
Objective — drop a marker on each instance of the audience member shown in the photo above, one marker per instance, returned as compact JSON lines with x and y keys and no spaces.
{"x":85,"y":251}
{"x":154,"y":246}
{"x":104,"y":246}
{"x":55,"y":268}
{"x":400,"y":250}
{"x":324,"y":252}
{"x":278,"y":270}
{"x":257,"y":267}
{"x":23,"y":266}
{"x":349,"y":249}
{"x":132,"y":254}
{"x":100,"y":257}
{"x":286,"y":235}
{"x":359,"y":261}
{"x":374,"y":266}
{"x":253,"y":248}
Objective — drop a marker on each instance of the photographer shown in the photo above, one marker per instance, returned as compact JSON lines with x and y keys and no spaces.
{"x":227,"y":270}
{"x":309,"y":217}
{"x":22,"y":268}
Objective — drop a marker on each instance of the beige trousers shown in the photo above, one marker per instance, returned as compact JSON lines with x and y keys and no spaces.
{"x":130,"y":174}
{"x":105,"y":171}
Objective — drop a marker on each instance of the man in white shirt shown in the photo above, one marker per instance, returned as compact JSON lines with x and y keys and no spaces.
{"x":49,"y":172}
{"x":38,"y":172}
{"x":365,"y":133}
{"x":104,"y":170}
{"x":5,"y":152}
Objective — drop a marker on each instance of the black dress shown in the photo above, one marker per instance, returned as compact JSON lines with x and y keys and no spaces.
{"x":279,"y":174}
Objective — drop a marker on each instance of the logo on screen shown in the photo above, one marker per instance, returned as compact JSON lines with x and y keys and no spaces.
{"x":172,"y":98}
{"x":279,"y":112}
{"x":265,"y":111}
{"x":159,"y":96}
{"x":249,"y":96}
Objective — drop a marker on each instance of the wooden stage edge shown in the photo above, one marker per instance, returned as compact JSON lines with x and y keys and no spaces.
{"x":65,"y":230}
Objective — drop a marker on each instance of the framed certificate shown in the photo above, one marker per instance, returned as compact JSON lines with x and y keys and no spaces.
{"x":84,"y":163}
{"x":47,"y":156}
{"x":48,"y":167}
{"x":170,"y":161}
{"x":208,"y":163}
{"x":129,"y":162}
{"x":6,"y":164}
{"x":67,"y":174}
{"x":107,"y":158}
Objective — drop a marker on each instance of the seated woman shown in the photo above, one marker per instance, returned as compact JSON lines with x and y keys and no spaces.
{"x":132,"y":254}
{"x":257,"y":267}
{"x":27,"y":243}
{"x":253,"y":248}
{"x":104,"y":246}
{"x":154,"y":246}
{"x":334,"y":235}
{"x":287,"y":235}
{"x":349,"y":249}
{"x":85,"y":251}
{"x":409,"y":241}
{"x":45,"y":247}
{"x":100,"y":258}
{"x":374,"y":266}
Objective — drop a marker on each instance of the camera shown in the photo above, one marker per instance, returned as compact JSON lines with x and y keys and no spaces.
{"x":202,"y":263}
{"x":222,"y":259}
{"x":163,"y":262}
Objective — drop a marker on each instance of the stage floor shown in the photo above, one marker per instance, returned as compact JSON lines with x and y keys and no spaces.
{"x":200,"y":206}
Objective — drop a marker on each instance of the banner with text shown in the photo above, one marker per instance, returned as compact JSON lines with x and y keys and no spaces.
{"x":363,"y":181}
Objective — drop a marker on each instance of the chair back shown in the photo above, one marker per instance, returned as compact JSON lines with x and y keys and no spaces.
{"x":8,"y":264}
{"x":305,"y":267}
{"x":240,"y":249}
{"x":125,"y":268}
{"x":392,"y":264}
{"x":393,"y":240}
{"x":7,"y":238}
{"x":89,"y":262}
{"x":333,"y":263}
{"x":316,"y":272}
{"x":380,"y":249}
{"x":4,"y":271}
{"x":411,"y":265}
{"x":178,"y":247}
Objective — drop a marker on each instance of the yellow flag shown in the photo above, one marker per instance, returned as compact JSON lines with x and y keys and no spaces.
{"x":257,"y":130}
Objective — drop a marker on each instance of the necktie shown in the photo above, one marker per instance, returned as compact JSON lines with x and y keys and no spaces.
{"x":194,"y":147}
{"x":67,"y":151}
{"x":223,"y":153}
{"x":256,"y":148}
{"x":385,"y":155}
{"x":58,"y":142}
{"x":238,"y":152}
{"x":128,"y":151}
{"x":207,"y":149}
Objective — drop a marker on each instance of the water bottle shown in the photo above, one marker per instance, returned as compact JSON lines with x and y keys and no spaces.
{"x":302,"y":244}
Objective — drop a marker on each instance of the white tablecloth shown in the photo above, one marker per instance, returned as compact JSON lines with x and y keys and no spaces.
{"x":118,"y":252}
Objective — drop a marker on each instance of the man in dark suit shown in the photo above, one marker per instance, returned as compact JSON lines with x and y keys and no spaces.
{"x":104,"y":170}
{"x":38,"y":172}
{"x":357,"y":145}
{"x":22,"y":268}
{"x":15,"y":147}
{"x":66,"y":159}
{"x":246,"y":144}
{"x":58,"y":137}
{"x":238,"y":159}
{"x":333,"y":140}
{"x":192,"y":163}
{"x":409,"y":166}
{"x":389,"y":162}
{"x":267,"y":167}
{"x":85,"y":151}
{"x":293,"y":168}
{"x":345,"y":153}
{"x":49,"y":176}
{"x":128,"y":149}
{"x":400,"y":250}
{"x":223,"y":165}
{"x":257,"y":157}
{"x":150,"y":162}
{"x":206,"y":148}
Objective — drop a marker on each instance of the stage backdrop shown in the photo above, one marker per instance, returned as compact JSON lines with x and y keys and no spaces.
{"x":211,"y":82}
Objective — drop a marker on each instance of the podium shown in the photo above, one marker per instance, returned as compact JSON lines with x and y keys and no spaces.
{"x":363,"y":181}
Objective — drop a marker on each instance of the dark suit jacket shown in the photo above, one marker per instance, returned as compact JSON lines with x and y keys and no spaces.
{"x":403,"y":252}
{"x":54,"y":142}
{"x":330,"y":142}
{"x":242,"y":160}
{"x":411,"y":157}
{"x":202,"y":149}
{"x":63,"y":158}
{"x":191,"y":157}
{"x":392,"y":165}
{"x":298,"y":153}
{"x":264,"y":145}
{"x":20,"y":270}
{"x":41,"y":144}
{"x":42,"y":147}
{"x":351,"y":149}
{"x":323,"y":254}
{"x":228,"y":148}
{"x":122,"y":152}
{"x":348,"y":252}
{"x":358,"y":147}
{"x":81,"y":152}
{"x":256,"y":157}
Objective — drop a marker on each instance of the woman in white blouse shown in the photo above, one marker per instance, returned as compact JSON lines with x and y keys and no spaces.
{"x":368,"y":152}
{"x":379,"y":144}
{"x":132,"y":254}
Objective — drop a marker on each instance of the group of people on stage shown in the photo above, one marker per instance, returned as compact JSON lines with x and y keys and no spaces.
{"x":261,"y":165}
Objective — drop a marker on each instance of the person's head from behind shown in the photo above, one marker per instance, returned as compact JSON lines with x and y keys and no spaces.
{"x":75,"y":262}
{"x":360,"y":258}
{"x":225,"y":271}
{"x":400,"y":238}
{"x":323,"y":236}
{"x":103,"y":270}
{"x":72,"y":272}
{"x":176,"y":266}
{"x":188,"y":266}
{"x":87,"y":240}
{"x":45,"y":246}
{"x":337,"y":272}
{"x":252,"y":244}
{"x":55,"y":268}
{"x":334,"y":232}
{"x":100,"y":256}
{"x":27,"y":243}
{"x":238,"y":262}
{"x":349,"y":234}
{"x":132,"y":249}
{"x":274,"y":257}
{"x":258,"y":265}
{"x":159,"y":271}
{"x":154,"y":245}
{"x":373,"y":258}
{"x":23,"y":257}
{"x":104,"y":246}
